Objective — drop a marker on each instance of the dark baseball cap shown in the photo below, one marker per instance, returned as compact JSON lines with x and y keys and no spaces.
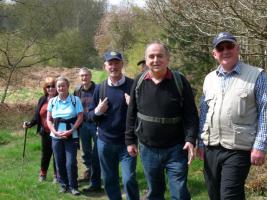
{"x":223,"y":37}
{"x":111,"y":55}
{"x":141,"y":62}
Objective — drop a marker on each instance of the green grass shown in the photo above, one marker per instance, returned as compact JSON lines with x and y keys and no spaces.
{"x":19,"y":177}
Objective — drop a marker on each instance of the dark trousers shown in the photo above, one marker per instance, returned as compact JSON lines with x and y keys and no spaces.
{"x":90,"y":157}
{"x":46,"y":154}
{"x":65,"y":151}
{"x":225,"y":172}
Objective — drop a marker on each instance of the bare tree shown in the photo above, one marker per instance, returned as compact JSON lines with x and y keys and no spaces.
{"x":16,"y":53}
{"x":205,"y":18}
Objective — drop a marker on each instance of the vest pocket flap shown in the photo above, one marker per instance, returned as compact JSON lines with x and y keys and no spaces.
{"x":209,"y":97}
{"x":205,"y":134}
{"x":243,"y":95}
{"x":244,"y":135}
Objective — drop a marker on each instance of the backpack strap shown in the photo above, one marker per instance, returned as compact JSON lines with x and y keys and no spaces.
{"x":179,"y":84}
{"x":177,"y":80}
{"x":161,"y":120}
{"x":102,"y":89}
{"x":77,"y":91}
{"x":72,"y":97}
{"x":53,"y":102}
{"x":73,"y":100}
{"x":139,"y":82}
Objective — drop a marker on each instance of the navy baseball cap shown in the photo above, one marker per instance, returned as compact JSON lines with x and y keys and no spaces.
{"x":110,"y":55}
{"x":223,"y":37}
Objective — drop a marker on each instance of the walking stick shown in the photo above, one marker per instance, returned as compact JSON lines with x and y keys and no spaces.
{"x":23,"y":153}
{"x":24,"y":145}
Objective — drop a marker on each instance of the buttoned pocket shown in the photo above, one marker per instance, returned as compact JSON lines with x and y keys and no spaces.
{"x":244,"y":136}
{"x":239,"y":107}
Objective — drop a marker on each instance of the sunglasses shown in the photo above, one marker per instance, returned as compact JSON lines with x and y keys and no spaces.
{"x":50,"y":86}
{"x":228,"y":46}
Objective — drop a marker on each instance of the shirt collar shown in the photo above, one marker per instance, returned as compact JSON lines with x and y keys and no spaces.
{"x":221,"y":72}
{"x":68,"y":99}
{"x":168,"y":75}
{"x":118,"y":83}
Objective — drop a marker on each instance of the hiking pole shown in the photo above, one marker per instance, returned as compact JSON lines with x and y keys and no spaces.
{"x":25,"y":138}
{"x":24,"y":148}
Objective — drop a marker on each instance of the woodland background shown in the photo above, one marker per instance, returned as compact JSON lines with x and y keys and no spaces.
{"x":68,"y":33}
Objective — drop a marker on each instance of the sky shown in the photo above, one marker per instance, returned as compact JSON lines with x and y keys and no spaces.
{"x":140,"y":3}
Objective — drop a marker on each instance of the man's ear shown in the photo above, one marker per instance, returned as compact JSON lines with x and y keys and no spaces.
{"x":214,"y":54}
{"x":238,"y":47}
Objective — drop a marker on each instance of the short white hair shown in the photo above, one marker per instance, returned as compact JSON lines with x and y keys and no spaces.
{"x":85,"y":69}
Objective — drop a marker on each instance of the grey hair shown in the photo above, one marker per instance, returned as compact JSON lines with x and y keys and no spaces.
{"x":85,"y":69}
{"x":62,"y":78}
{"x":167,"y":51}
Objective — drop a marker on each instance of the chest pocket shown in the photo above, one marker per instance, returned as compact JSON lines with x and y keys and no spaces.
{"x":239,"y":105}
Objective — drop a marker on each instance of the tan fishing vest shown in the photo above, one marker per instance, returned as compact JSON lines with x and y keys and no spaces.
{"x":232,"y":116}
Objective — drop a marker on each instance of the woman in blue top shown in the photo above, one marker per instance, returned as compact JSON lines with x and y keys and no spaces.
{"x":64,"y":116}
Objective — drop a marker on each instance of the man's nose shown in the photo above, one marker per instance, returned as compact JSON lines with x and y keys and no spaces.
{"x":155,"y":58}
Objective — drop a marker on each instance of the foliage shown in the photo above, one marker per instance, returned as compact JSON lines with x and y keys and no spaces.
{"x":127,"y":29}
{"x":54,"y":32}
{"x":191,"y":25}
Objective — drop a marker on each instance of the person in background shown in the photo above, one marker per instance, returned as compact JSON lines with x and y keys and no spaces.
{"x":39,"y":119}
{"x":87,"y":132}
{"x":109,"y":109}
{"x":233,"y":121}
{"x":64,"y":116}
{"x":142,"y":64}
{"x":165,"y":123}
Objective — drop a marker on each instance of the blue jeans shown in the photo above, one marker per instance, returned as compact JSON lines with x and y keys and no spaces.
{"x":87,"y":133}
{"x":173,"y":160}
{"x":110,"y":155}
{"x":65,"y":152}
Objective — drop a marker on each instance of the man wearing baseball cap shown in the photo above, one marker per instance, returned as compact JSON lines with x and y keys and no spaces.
{"x":108,"y":109}
{"x":233,"y":116}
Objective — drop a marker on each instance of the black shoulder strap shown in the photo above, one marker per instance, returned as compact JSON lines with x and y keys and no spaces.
{"x":102,"y":89}
{"x":179,"y":84}
{"x":77,"y":91}
{"x":139,"y":82}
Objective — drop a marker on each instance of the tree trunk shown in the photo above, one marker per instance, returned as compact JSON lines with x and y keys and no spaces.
{"x":3,"y":98}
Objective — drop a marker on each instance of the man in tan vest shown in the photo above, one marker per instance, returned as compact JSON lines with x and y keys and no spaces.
{"x":233,"y":121}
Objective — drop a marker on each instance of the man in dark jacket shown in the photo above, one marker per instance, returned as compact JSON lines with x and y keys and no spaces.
{"x":87,"y":132}
{"x":109,"y":109}
{"x":165,"y":122}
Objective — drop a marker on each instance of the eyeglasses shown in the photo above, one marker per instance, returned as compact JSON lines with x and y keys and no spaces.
{"x":50,"y":86}
{"x":228,"y":46}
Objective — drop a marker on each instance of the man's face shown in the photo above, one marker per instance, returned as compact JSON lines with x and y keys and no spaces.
{"x":85,"y":77}
{"x":114,"y":68}
{"x":226,"y":53}
{"x":156,"y":58}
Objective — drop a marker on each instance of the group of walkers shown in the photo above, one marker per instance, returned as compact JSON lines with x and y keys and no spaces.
{"x":155,"y":114}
